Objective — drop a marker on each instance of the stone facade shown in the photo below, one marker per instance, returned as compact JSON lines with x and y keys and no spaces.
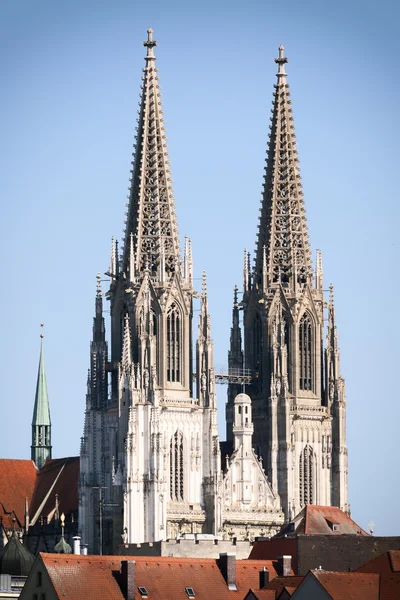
{"x":150,"y":453}
{"x":297,"y":392}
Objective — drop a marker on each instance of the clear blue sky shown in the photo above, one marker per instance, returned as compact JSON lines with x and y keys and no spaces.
{"x":70,"y":74}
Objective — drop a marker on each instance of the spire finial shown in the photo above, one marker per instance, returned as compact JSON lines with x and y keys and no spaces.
{"x":42,"y":334}
{"x":281,"y":61}
{"x":204,"y":285}
{"x":235,"y":296}
{"x":98,"y":291}
{"x":331,"y":299}
{"x":149,"y":44}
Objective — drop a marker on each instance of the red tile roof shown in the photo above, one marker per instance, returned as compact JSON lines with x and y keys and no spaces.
{"x":17,"y":481}
{"x":279,"y":583}
{"x":64,"y":474}
{"x":93,"y":577}
{"x":394,"y":556}
{"x":315,"y":519}
{"x":388,"y":567}
{"x":262,"y":594}
{"x":349,"y":586}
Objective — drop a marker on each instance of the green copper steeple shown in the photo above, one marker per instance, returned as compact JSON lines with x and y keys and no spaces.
{"x":41,"y":424}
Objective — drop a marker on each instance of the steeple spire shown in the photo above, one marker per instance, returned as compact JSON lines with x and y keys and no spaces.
{"x":151,"y":216}
{"x":283,"y":226}
{"x":41,"y":424}
{"x":205,"y":352}
{"x":98,"y":354}
{"x":332,"y":347}
{"x":235,"y":354}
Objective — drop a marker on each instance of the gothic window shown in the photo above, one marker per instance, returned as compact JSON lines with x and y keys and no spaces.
{"x":305,"y":352}
{"x":174,"y":344}
{"x":257,"y":338}
{"x":176,"y":466}
{"x":154,"y":322}
{"x":306,"y":477}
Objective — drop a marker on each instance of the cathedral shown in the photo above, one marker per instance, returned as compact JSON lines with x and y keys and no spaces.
{"x":151,"y":463}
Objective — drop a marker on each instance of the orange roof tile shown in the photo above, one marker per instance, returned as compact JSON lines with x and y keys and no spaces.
{"x":349,"y":586}
{"x":394,"y":556}
{"x":88,"y":577}
{"x":388,"y":567}
{"x":315,"y":519}
{"x":17,"y":481}
{"x":281,"y":582}
{"x":66,"y":471}
{"x":263,"y":594}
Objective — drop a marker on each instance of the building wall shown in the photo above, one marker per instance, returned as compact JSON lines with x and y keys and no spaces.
{"x":184,"y":548}
{"x":340,"y":553}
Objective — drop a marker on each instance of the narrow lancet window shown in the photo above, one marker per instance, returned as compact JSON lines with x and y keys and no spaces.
{"x":173,"y":345}
{"x":306,"y":476}
{"x":176,"y":466}
{"x":305,"y":353}
{"x":257,"y":332}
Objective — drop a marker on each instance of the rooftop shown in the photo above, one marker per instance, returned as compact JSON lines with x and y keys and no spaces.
{"x":322,"y":520}
{"x":76,"y":576}
{"x":57,"y":476}
{"x":17,"y":482}
{"x":349,"y":586}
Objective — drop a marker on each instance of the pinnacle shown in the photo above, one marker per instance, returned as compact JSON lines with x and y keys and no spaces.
{"x":149,"y":44}
{"x":283,"y":245}
{"x":151,"y":219}
{"x":204,"y":285}
{"x":281,"y":61}
{"x":98,"y":288}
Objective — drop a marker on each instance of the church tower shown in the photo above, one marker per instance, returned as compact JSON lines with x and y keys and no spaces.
{"x":297,"y":392}
{"x":41,"y":424}
{"x":149,"y":443}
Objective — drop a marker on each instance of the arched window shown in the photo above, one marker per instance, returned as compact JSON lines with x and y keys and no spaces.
{"x":176,"y":466}
{"x":305,"y":353}
{"x":173,"y":344}
{"x":306,"y":477}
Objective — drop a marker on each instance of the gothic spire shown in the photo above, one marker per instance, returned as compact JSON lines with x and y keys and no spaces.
{"x":151,"y":216}
{"x":98,"y":354}
{"x":41,"y":424}
{"x":235,"y":354}
{"x":283,"y":226}
{"x":205,"y":352}
{"x":332,"y":349}
{"x":204,"y":321}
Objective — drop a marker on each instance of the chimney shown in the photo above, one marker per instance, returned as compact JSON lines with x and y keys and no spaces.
{"x":227,"y":566}
{"x":77,"y":544}
{"x":264,"y":578}
{"x":128,"y":572}
{"x":84,"y":548}
{"x":285,"y":565}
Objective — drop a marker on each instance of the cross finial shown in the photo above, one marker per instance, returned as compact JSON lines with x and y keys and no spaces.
{"x":281,"y":61}
{"x":149,"y":44}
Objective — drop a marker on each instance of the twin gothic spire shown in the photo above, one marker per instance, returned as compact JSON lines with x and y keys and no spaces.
{"x":282,"y":254}
{"x":151,"y":236}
